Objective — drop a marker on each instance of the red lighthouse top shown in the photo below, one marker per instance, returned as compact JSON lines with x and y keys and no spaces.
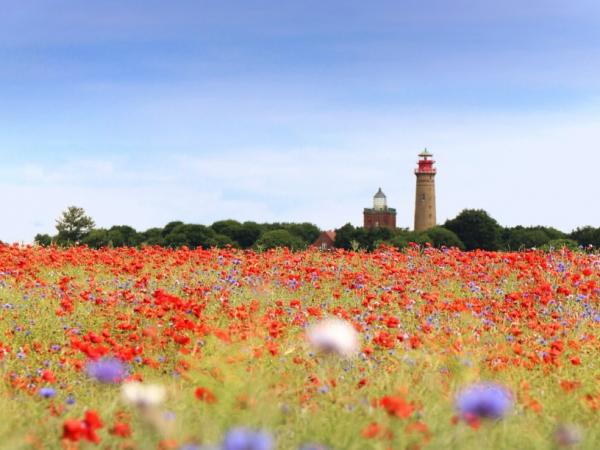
{"x":425,"y":163}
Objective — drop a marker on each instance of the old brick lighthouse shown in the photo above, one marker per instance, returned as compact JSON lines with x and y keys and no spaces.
{"x":425,"y":196}
{"x":379,"y":215}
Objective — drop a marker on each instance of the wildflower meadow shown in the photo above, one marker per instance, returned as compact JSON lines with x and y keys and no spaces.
{"x":240,"y":350}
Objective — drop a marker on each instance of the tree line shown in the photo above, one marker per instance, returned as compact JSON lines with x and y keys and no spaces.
{"x":75,"y":227}
{"x":471,"y":229}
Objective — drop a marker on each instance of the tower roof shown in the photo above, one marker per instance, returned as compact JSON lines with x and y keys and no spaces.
{"x":425,"y":153}
{"x":379,"y":194}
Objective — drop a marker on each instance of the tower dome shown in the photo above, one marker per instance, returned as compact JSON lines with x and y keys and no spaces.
{"x":379,"y":201}
{"x":379,"y":215}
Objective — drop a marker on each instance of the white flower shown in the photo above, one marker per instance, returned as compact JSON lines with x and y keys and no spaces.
{"x":143,"y":395}
{"x":334,"y":336}
{"x":568,"y":435}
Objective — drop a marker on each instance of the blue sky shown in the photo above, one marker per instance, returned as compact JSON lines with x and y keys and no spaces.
{"x":147,"y":111}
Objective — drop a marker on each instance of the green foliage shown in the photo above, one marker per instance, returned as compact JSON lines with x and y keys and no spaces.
{"x":350,"y":237}
{"x":442,"y":237}
{"x":471,"y":229}
{"x":170,"y":227}
{"x":72,"y":226}
{"x":221,"y":241}
{"x":237,"y":234}
{"x":370,"y":239}
{"x":476,"y":229}
{"x":152,"y":236}
{"x":230,"y":228}
{"x":280,"y":238}
{"x":403,"y":239}
{"x":518,"y":238}
{"x":190,"y":235}
{"x":96,"y":238}
{"x":344,"y":236}
{"x":305,"y":231}
{"x":558,"y":244}
{"x":43,"y":240}
{"x":248,"y":235}
{"x":586,"y":236}
{"x":123,"y":236}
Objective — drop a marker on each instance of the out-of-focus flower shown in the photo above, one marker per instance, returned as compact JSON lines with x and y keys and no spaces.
{"x":74,"y":430}
{"x":47,"y":392}
{"x":312,"y":447}
{"x":245,"y":439}
{"x":121,"y":429}
{"x":371,"y":430}
{"x":484,"y":401}
{"x":107,"y":370}
{"x":397,"y":406}
{"x":334,"y":336}
{"x":143,"y":395}
{"x":567,"y":435}
{"x":205,"y":395}
{"x":48,"y":376}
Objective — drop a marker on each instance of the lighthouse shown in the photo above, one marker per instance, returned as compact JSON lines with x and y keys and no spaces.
{"x":379,"y":216}
{"x":425,"y":196}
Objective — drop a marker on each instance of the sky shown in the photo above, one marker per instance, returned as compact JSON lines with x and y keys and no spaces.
{"x":145,"y":111}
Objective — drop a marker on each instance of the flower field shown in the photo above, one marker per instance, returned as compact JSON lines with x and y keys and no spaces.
{"x":237,"y":350}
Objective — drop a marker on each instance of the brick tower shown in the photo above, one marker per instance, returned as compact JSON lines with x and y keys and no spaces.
{"x":380,"y":215}
{"x":425,"y":198}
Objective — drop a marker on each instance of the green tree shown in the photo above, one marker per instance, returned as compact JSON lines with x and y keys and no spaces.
{"x":344,"y":236}
{"x":403,"y":238}
{"x":558,"y":244}
{"x":372,"y":238}
{"x":442,"y":237}
{"x":43,"y":240}
{"x":305,"y":231}
{"x":520,"y":237}
{"x":248,"y":234}
{"x":279,"y":238}
{"x":228,"y":227}
{"x":123,"y":236}
{"x":73,"y":225}
{"x":349,"y":237}
{"x":96,"y":238}
{"x":152,"y":236}
{"x":170,"y":227}
{"x":221,"y":240}
{"x":476,"y":229}
{"x":193,"y":236}
{"x":238,"y":234}
{"x":586,"y":236}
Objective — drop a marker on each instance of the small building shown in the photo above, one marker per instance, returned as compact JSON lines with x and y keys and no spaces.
{"x":325,"y":240}
{"x":379,"y":215}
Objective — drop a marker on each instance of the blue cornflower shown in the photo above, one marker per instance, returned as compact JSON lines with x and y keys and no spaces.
{"x":107,"y":370}
{"x":245,"y":439}
{"x":484,"y":400}
{"x":324,"y":389}
{"x":47,"y":392}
